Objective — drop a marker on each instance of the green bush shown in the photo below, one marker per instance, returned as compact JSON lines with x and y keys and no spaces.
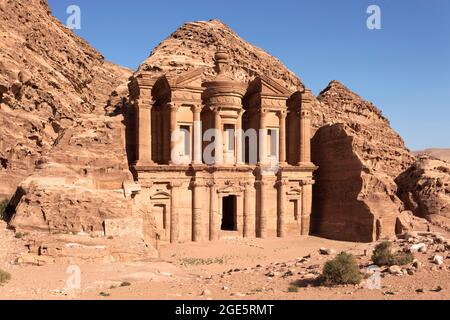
{"x":341,"y":270}
{"x":383,"y":256}
{"x":293,"y":289}
{"x":4,"y":276}
{"x":403,"y":258}
{"x":3,"y":205}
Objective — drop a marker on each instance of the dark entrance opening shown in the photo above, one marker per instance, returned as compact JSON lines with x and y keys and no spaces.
{"x":229,"y":222}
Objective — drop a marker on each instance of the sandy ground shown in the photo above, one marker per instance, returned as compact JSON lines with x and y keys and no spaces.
{"x":227,"y":269}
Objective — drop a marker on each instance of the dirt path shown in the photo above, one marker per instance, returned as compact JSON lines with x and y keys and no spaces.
{"x":228,"y":269}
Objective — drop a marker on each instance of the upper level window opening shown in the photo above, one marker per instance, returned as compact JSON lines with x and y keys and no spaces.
{"x":185,"y":132}
{"x":272,"y":142}
{"x":229,"y":136}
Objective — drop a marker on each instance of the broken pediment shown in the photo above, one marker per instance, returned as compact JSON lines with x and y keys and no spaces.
{"x":167,"y":85}
{"x":190,"y":79}
{"x":268,"y":87}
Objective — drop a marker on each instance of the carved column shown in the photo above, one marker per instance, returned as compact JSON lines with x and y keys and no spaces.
{"x":282,"y":136}
{"x":239,"y":147}
{"x":306,"y":207}
{"x":196,"y":110}
{"x":213,"y":215}
{"x":173,"y":131}
{"x":218,"y":138}
{"x":174,"y":212}
{"x":305,"y":128}
{"x":197,"y":192}
{"x":263,"y":212}
{"x":281,"y":225}
{"x":262,"y":137}
{"x":249,"y":214}
{"x":144,"y":119}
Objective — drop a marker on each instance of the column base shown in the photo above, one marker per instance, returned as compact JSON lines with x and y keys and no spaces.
{"x":306,"y":164}
{"x":144,"y":163}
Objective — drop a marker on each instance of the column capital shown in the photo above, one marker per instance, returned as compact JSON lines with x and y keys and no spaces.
{"x":261,"y":183}
{"x":173,"y":106}
{"x":282,"y":183}
{"x":246,"y":184}
{"x":210,"y":184}
{"x":305,"y":114}
{"x":197,"y":184}
{"x":143,"y":103}
{"x":197,"y":108}
{"x":307,"y":182}
{"x":175,"y":184}
{"x":282,"y":114}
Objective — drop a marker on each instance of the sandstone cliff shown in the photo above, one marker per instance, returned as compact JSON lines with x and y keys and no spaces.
{"x":49,"y":79}
{"x":425,"y":189}
{"x":359,"y":155}
{"x":61,"y":141}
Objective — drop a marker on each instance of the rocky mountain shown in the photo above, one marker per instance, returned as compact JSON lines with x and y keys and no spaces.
{"x":194,"y":44}
{"x":49,"y":80}
{"x":359,"y":156}
{"x":62,"y":147}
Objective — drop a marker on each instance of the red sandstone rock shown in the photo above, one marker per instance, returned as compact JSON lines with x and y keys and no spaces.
{"x":60,"y":130}
{"x":359,"y":155}
{"x":51,"y":82}
{"x":425,"y":190}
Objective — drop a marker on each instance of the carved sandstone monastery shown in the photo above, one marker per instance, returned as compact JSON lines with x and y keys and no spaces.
{"x":108,"y":167}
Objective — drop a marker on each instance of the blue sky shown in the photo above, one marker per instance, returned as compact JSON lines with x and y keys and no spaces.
{"x":404,"y":68}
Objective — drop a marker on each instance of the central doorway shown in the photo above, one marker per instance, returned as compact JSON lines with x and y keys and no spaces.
{"x":229,"y":213}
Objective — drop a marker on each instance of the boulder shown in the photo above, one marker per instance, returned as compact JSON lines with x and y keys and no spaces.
{"x":327,"y":252}
{"x":419,"y":247}
{"x":395,"y":270}
{"x":437,"y":259}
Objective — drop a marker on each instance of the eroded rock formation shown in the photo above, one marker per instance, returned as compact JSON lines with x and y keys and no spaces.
{"x":49,"y":78}
{"x":425,"y":189}
{"x":359,"y":155}
{"x":62,"y":131}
